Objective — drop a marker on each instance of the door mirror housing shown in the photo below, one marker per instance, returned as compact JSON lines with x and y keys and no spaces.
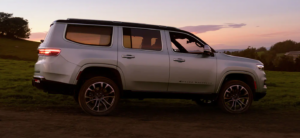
{"x":207,"y":50}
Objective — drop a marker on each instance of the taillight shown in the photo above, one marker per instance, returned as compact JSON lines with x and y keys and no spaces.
{"x":49,"y":52}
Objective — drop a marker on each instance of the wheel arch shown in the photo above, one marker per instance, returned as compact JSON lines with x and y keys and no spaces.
{"x":246,"y":77}
{"x":90,"y":70}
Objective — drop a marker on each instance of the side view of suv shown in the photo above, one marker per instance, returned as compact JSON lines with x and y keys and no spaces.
{"x":98,"y":62}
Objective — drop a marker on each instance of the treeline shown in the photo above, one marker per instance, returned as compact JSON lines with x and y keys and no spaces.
{"x":273,"y":59}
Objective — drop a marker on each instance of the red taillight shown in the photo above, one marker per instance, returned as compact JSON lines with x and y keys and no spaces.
{"x":49,"y":52}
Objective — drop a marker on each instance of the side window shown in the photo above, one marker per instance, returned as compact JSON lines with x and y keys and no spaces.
{"x":185,"y":44}
{"x":89,"y":35}
{"x":142,"y":39}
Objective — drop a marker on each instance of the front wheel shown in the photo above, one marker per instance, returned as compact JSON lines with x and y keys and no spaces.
{"x":99,"y":96}
{"x":235,"y":97}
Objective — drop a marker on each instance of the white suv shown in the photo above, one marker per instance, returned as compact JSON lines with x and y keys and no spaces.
{"x":99,"y":62}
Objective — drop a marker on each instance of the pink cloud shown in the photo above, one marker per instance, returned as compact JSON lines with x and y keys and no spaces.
{"x":277,"y":34}
{"x":206,"y":28}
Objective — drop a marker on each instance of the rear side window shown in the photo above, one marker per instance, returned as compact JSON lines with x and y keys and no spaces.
{"x":89,"y":35}
{"x":142,"y":39}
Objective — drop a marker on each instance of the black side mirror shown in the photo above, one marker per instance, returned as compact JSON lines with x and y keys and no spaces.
{"x":42,"y":41}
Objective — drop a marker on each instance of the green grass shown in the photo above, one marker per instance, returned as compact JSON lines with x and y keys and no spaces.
{"x":278,"y":54}
{"x":283,"y":90}
{"x":18,"y":49}
{"x":16,"y":90}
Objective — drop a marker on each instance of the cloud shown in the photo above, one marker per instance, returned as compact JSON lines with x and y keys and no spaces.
{"x":232,"y":25}
{"x":206,"y":28}
{"x":277,"y":34}
{"x":37,"y":36}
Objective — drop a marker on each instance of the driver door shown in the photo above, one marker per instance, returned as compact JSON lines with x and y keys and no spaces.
{"x":191,"y":71}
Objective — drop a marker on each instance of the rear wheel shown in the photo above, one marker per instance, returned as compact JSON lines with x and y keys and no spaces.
{"x":75,"y":96}
{"x":99,"y":96}
{"x":235,"y":97}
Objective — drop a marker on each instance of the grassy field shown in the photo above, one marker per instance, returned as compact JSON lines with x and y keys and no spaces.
{"x":278,"y":55}
{"x":18,"y":49}
{"x":16,"y":89}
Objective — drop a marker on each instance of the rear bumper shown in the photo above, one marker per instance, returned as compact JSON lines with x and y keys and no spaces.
{"x":52,"y":87}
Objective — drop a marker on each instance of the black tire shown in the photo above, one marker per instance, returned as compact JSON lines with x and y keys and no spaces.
{"x":93,"y":92}
{"x":75,"y":96}
{"x":238,"y":97}
{"x":205,"y":102}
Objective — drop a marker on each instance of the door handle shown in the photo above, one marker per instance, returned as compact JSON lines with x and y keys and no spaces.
{"x":128,"y":56}
{"x":179,"y":60}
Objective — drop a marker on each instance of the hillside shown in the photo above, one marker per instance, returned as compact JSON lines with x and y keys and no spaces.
{"x":18,"y":49}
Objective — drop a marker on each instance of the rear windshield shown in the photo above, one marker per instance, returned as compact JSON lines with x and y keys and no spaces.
{"x":89,"y":35}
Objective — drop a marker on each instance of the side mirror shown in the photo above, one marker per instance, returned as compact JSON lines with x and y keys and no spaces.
{"x":42,"y":41}
{"x":207,"y":50}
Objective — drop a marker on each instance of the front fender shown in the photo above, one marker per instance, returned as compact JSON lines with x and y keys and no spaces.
{"x":223,"y":76}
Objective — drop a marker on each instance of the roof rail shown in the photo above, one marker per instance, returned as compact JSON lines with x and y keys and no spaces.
{"x":120,"y":22}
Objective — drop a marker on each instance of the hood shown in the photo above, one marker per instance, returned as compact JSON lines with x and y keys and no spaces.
{"x":236,"y":58}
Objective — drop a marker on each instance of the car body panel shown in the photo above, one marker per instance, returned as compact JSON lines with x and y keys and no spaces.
{"x":197,"y":74}
{"x":148,"y":70}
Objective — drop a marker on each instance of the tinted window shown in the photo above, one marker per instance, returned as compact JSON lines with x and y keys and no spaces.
{"x":89,"y":35}
{"x":185,"y":44}
{"x":142,"y":39}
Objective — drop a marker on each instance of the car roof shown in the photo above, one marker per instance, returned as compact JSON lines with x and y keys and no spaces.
{"x":119,"y":23}
{"x":129,"y":24}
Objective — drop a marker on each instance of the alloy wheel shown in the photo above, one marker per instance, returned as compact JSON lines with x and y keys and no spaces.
{"x":99,"y":97}
{"x":236,"y":98}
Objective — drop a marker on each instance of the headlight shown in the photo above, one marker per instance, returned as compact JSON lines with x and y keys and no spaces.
{"x":260,"y":67}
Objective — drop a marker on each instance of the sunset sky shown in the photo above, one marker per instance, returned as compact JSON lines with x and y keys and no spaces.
{"x":223,"y":24}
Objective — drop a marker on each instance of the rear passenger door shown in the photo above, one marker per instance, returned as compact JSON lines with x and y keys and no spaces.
{"x":143,"y":59}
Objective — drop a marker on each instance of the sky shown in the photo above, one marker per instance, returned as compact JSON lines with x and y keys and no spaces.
{"x":223,"y":24}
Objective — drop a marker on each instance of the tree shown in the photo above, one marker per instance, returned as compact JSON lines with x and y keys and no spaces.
{"x":286,"y":63}
{"x":297,"y":64}
{"x":261,"y":49}
{"x":3,"y":17}
{"x":13,"y":27}
{"x":285,"y":46}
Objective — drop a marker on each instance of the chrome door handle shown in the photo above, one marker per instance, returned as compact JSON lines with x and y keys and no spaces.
{"x":179,"y":60}
{"x":128,"y":56}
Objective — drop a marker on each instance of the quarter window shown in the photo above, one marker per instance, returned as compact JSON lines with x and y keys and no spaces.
{"x":89,"y":35}
{"x":142,"y":39}
{"x":185,"y":44}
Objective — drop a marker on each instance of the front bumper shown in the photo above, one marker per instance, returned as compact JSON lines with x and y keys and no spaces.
{"x":53,"y":87}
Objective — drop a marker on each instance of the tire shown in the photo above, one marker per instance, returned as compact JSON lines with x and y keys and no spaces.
{"x":75,"y":96}
{"x":235,"y":97}
{"x":205,"y":102}
{"x":99,"y":96}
